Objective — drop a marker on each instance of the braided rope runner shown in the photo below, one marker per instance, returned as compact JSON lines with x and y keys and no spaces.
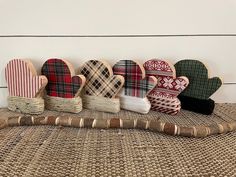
{"x":155,"y":125}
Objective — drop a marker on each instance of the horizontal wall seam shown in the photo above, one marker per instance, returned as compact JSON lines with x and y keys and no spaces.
{"x":229,"y":83}
{"x":114,"y":35}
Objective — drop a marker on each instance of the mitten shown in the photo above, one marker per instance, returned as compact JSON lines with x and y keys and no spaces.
{"x":136,"y":87}
{"x":197,"y":96}
{"x":163,"y":97}
{"x":25,"y":87}
{"x":101,"y":88}
{"x":64,"y":87}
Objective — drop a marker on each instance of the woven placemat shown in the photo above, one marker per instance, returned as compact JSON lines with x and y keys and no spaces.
{"x":186,"y":123}
{"x":64,"y":151}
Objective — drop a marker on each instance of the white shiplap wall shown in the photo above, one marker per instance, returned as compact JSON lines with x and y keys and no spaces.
{"x":79,"y":30}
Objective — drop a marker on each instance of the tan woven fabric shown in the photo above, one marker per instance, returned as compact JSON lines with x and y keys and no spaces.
{"x":60,"y":151}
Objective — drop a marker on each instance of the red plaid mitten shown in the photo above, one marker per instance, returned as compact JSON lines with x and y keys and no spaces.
{"x":62,"y":81}
{"x":63,"y":87}
{"x":136,"y":87}
{"x":163,"y":97}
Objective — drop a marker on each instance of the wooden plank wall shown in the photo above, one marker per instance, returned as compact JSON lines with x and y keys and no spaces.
{"x":79,"y":30}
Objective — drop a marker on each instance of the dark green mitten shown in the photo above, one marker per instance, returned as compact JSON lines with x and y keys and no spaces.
{"x":200,"y":86}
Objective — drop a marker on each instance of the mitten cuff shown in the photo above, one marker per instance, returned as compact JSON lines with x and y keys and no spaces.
{"x":26,"y":105}
{"x":73,"y":105}
{"x":99,"y":103}
{"x":140,"y":105}
{"x":197,"y":105}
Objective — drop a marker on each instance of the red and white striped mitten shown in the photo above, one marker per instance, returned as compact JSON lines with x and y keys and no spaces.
{"x":25,"y":87}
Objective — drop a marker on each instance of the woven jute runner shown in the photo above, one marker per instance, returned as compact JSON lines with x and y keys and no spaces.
{"x":187,"y":123}
{"x":48,"y":150}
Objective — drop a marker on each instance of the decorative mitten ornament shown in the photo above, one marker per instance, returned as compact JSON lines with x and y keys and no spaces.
{"x":63,"y":87}
{"x":196,"y":96}
{"x":136,"y":87}
{"x":163,"y":97}
{"x":102,"y":87}
{"x":25,"y":87}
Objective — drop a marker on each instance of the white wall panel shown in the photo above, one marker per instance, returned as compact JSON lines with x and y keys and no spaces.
{"x":226,"y":94}
{"x":3,"y":97}
{"x":86,"y":17}
{"x":114,"y":30}
{"x":217,"y":52}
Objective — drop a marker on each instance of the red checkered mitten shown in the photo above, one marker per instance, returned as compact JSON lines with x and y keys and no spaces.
{"x":63,"y":87}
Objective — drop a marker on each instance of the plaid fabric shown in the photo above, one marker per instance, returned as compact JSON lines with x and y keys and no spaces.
{"x":135,"y":85}
{"x":199,"y":85}
{"x":60,"y":82}
{"x":99,"y":80}
{"x":129,"y":69}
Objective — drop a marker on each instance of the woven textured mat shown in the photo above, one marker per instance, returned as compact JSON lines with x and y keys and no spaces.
{"x":63,"y":151}
{"x":187,"y":123}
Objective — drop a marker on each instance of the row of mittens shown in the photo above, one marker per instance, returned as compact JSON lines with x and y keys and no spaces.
{"x":63,"y":88}
{"x":153,"y":85}
{"x":100,"y":86}
{"x":101,"y":89}
{"x":26,"y":88}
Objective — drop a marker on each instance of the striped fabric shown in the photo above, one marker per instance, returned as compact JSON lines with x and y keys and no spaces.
{"x":100,"y":80}
{"x":168,"y":107}
{"x":22,"y":80}
{"x":135,"y":82}
{"x":165,"y":102}
{"x":60,"y":81}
